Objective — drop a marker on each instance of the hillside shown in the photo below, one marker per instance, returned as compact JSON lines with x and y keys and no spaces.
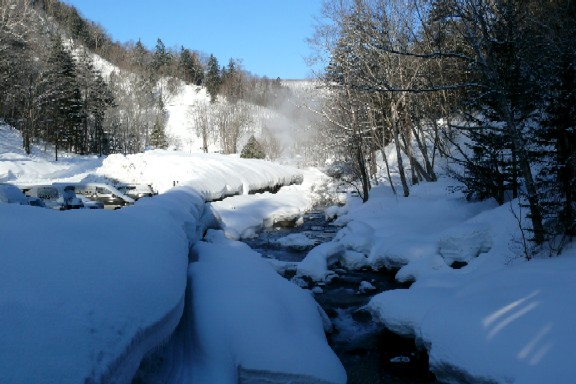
{"x":87,"y":94}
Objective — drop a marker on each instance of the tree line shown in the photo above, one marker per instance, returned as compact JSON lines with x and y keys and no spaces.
{"x":54,"y":93}
{"x":489,"y":86}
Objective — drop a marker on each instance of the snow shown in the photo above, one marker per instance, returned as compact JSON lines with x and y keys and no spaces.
{"x":295,"y":241}
{"x":86,"y":294}
{"x":499,"y":318}
{"x":81,"y":292}
{"x":270,"y":314}
{"x":243,"y":215}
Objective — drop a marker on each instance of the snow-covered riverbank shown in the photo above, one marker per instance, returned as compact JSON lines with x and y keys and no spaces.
{"x":483,"y":312}
{"x":85,"y":294}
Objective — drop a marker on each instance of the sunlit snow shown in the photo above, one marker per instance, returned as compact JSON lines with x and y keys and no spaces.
{"x":85,"y":294}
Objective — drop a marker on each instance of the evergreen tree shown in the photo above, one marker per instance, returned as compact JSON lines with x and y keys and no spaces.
{"x":102,"y":100}
{"x":140,"y":57}
{"x":233,"y":87}
{"x":96,"y":99}
{"x":190,"y":68}
{"x":160,"y":58}
{"x":65,"y":99}
{"x":158,"y":136}
{"x":212,"y":80}
{"x":557,"y":177}
{"x":490,"y":167}
{"x":253,"y":149}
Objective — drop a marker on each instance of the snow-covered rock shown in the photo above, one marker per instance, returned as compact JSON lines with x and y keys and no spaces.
{"x":317,"y":262}
{"x":465,"y":243}
{"x":296,"y":241}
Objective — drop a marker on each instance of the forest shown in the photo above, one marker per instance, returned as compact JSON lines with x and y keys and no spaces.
{"x":486,"y":85}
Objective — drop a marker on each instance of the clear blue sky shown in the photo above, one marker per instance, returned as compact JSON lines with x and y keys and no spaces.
{"x":269,"y":36}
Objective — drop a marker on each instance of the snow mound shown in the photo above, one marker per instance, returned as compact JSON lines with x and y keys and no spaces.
{"x":236,"y":292}
{"x":465,"y":243}
{"x":243,"y":215}
{"x":214,"y":175}
{"x":296,"y":241}
{"x":97,"y":289}
{"x":316,"y":264}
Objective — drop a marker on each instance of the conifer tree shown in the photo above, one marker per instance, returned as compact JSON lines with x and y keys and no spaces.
{"x":158,"y":136}
{"x":65,"y":99}
{"x":232,"y":82}
{"x":140,"y":56}
{"x":212,"y":80}
{"x":190,"y":67}
{"x":253,"y":149}
{"x":96,"y":99}
{"x":160,"y":59}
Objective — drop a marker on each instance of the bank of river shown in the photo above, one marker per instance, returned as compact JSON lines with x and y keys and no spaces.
{"x":370,"y":354}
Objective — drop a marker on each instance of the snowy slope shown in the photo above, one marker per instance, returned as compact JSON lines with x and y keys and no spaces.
{"x":180,"y":125}
{"x":272,"y":320}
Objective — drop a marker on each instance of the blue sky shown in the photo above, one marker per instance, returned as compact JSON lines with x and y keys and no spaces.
{"x":269,"y":36}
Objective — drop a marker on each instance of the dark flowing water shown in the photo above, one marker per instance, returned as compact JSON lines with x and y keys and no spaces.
{"x":370,"y":354}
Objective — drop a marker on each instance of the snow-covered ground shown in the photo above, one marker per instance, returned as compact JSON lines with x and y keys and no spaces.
{"x":85,"y":294}
{"x":499,"y":318}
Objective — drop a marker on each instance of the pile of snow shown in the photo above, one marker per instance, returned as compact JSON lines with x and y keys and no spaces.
{"x":253,"y":324}
{"x":296,"y":241}
{"x":85,"y":294}
{"x":214,"y":175}
{"x":242,"y":216}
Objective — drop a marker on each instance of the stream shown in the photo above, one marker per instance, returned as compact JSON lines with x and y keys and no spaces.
{"x":370,"y":354}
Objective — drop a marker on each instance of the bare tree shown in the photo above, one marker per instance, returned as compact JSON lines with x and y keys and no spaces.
{"x":232,"y":122}
{"x":14,"y":17}
{"x":200,"y":115}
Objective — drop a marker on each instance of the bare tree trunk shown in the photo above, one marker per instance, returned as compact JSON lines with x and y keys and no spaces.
{"x":385,"y":158}
{"x":363,"y":173}
{"x":396,"y":131}
{"x":526,"y":171}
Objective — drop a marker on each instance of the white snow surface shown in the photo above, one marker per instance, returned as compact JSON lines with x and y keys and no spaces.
{"x":498,"y":319}
{"x":86,"y":294}
{"x":243,"y":215}
{"x":282,"y":317}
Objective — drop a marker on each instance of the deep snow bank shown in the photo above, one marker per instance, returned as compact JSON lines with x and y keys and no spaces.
{"x":243,"y":215}
{"x":85,"y":294}
{"x":491,"y":317}
{"x":251,"y":324}
{"x":213,"y":175}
